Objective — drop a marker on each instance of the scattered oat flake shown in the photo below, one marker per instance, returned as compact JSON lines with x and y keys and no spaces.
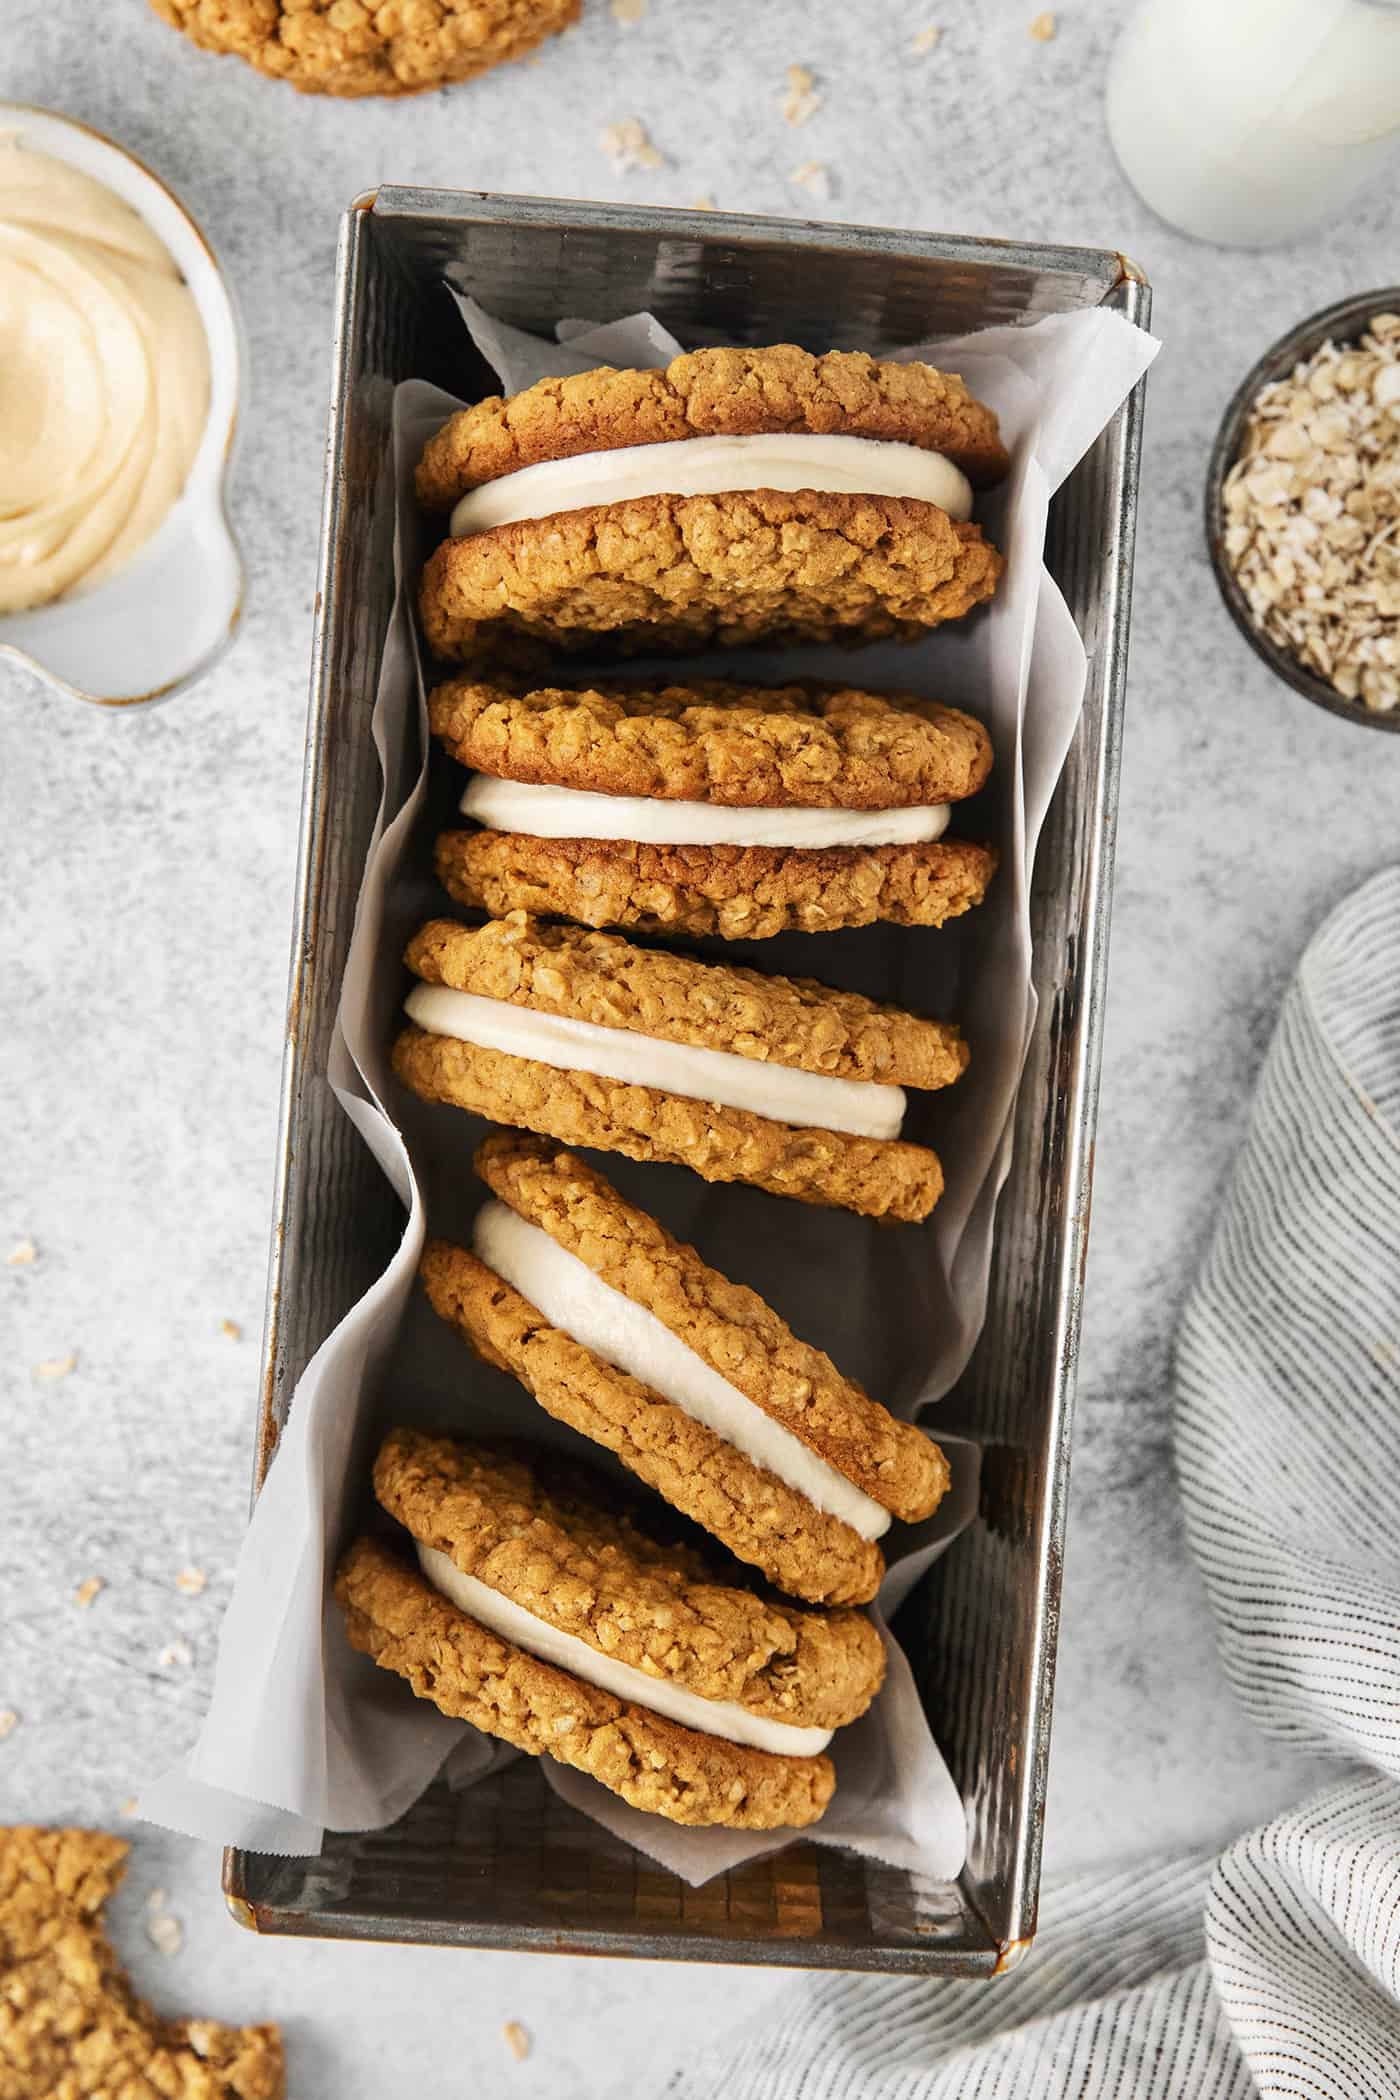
{"x":1043,"y":28}
{"x":21,"y":1256}
{"x":165,"y":1933}
{"x":155,"y":1899}
{"x":177,"y":1655}
{"x":517,"y":2040}
{"x":628,"y":146}
{"x":231,"y":1330}
{"x":801,"y":100}
{"x":86,"y":1591}
{"x":627,"y":11}
{"x":9,"y":1722}
{"x":814,"y":176}
{"x":926,"y":40}
{"x":128,"y":1807}
{"x":57,"y":1366}
{"x":190,"y":1581}
{"x":705,"y":203}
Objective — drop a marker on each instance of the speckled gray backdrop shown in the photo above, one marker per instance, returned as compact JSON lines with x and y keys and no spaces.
{"x":147,"y":881}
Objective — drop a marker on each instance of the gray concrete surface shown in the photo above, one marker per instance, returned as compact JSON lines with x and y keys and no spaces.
{"x":147,"y":877}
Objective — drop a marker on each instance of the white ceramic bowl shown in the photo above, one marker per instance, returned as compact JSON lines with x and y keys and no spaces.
{"x":168,"y":614}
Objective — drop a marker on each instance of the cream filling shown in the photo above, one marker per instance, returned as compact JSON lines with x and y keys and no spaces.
{"x":567,"y":1652}
{"x":811,"y":1100}
{"x":716,"y":466}
{"x":574,"y":813}
{"x":579,"y":1303}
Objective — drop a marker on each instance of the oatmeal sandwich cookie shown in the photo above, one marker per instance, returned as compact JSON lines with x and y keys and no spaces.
{"x":712,"y":807}
{"x":349,"y":47}
{"x":580,"y":1036}
{"x":550,"y":1620}
{"x":738,"y":495}
{"x":624,"y":1333}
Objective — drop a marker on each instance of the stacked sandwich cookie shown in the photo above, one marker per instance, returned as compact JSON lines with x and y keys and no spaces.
{"x":711,"y":807}
{"x":737,"y":496}
{"x":776,"y":1081}
{"x":694,"y":1382}
{"x":550,"y":1620}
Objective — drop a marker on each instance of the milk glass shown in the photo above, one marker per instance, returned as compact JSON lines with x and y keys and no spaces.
{"x":1248,"y":122}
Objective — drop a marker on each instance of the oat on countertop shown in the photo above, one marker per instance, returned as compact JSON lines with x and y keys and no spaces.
{"x":629,"y":146}
{"x":814,"y":176}
{"x":802,"y":99}
{"x":56,"y":1366}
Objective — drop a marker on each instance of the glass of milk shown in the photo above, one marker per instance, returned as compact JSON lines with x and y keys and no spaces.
{"x":1248,"y":122}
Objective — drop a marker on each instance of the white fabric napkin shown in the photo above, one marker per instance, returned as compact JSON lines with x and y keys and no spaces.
{"x":1275,"y":1969}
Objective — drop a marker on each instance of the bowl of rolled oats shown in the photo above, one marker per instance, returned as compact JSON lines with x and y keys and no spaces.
{"x":1303,"y":508}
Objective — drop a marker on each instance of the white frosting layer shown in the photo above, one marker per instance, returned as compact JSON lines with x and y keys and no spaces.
{"x":715,"y":466}
{"x":567,"y":1652}
{"x":861,"y":1107}
{"x":623,"y":1333}
{"x":574,"y":813}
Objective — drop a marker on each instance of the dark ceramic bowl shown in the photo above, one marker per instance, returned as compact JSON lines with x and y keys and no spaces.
{"x":1342,"y":323}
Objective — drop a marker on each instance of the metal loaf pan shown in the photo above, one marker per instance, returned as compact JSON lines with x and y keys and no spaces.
{"x":505,"y":1864}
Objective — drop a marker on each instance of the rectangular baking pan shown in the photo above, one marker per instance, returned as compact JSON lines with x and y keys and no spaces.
{"x":504,"y":1863}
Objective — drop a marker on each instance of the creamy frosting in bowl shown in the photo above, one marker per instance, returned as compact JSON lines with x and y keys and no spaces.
{"x":119,"y":366}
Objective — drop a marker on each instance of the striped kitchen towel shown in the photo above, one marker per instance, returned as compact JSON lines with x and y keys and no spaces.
{"x":1275,"y":1968}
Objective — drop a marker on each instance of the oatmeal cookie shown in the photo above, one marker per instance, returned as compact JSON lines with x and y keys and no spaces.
{"x":713,"y":393}
{"x":744,"y":893}
{"x":800,"y":1549}
{"x":741,"y":746}
{"x":394,"y":1616}
{"x":601,"y":978}
{"x":686,"y":572}
{"x":727,"y":1325}
{"x":369,"y":47}
{"x":595,"y":1575}
{"x":876,"y":1177}
{"x":70,"y":2023}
